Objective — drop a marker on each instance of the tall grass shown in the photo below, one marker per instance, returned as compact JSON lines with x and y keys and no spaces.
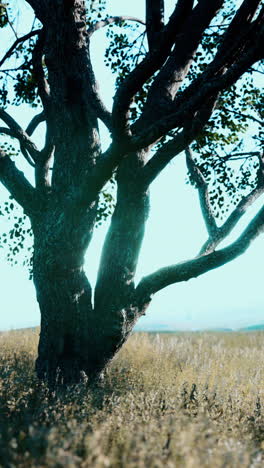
{"x":170,"y":400}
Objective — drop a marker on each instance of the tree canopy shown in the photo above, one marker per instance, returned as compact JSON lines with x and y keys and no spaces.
{"x":227,"y":150}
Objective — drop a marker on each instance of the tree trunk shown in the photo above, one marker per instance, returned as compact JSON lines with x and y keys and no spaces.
{"x":65,"y":303}
{"x":74,"y":338}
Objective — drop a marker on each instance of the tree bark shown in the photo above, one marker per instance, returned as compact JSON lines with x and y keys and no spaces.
{"x":65,"y":305}
{"x":75,"y":338}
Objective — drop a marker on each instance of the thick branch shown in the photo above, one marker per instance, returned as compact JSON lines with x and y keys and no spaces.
{"x":42,"y":169}
{"x":101,"y":173}
{"x":229,"y":64}
{"x":16,"y":43}
{"x":34,"y":123}
{"x":104,"y":114}
{"x":178,"y":144}
{"x":200,"y":265}
{"x":242,"y":18}
{"x":43,"y":87}
{"x":168,"y":81}
{"x":202,"y":187}
{"x":151,"y":63}
{"x":110,"y":20}
{"x":40,"y":7}
{"x":16,"y":183}
{"x":42,"y":165}
{"x":194,"y":96}
{"x":7,"y":131}
{"x":112,"y":157}
{"x":225,"y":69}
{"x":100,"y":109}
{"x":124,"y":238}
{"x":154,"y":20}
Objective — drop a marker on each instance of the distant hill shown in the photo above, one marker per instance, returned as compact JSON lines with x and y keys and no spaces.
{"x":257,"y":327}
{"x":220,"y":330}
{"x":170,"y":328}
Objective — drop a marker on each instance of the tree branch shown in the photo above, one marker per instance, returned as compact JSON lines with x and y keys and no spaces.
{"x":202,"y":187}
{"x":104,"y":114}
{"x":118,"y":262}
{"x":144,"y":70}
{"x":178,"y":144}
{"x":220,"y":233}
{"x":169,"y":79}
{"x":110,"y":159}
{"x":43,"y":162}
{"x":110,"y":20}
{"x":16,"y":183}
{"x":18,"y":132}
{"x":43,"y":86}
{"x":40,"y":7}
{"x":33,"y":124}
{"x":237,"y":156}
{"x":192,"y":268}
{"x":100,"y":109}
{"x":240,"y":46}
{"x":189,"y":103}
{"x":101,"y":173}
{"x":7,"y":131}
{"x":242,"y":18}
{"x":221,"y":73}
{"x":154,"y":20}
{"x":16,"y":43}
{"x":199,"y":91}
{"x":250,"y":117}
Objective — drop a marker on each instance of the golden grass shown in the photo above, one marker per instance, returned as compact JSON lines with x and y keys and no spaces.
{"x":169,"y":400}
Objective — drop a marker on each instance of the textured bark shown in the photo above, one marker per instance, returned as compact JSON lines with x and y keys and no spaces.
{"x":76,"y":339}
{"x":66,"y":325}
{"x":123,"y":242}
{"x":74,"y":336}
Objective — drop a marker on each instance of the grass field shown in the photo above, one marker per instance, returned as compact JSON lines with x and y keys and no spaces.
{"x":169,"y":400}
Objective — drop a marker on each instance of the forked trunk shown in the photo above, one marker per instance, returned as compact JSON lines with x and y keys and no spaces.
{"x":74,"y":338}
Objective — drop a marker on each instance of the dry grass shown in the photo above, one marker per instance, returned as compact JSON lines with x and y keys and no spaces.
{"x":177,"y":400}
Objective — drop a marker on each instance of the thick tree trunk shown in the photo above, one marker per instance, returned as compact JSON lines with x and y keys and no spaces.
{"x":74,"y":338}
{"x":65,"y":303}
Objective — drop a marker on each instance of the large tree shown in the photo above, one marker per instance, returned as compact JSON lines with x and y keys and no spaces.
{"x":184,"y":84}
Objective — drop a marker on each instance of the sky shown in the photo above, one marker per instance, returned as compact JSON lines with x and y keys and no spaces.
{"x":229,"y":297}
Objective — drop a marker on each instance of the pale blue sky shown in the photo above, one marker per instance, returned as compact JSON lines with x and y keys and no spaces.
{"x":227,"y":297}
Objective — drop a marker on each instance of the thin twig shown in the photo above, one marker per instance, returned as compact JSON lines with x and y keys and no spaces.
{"x":17,"y":42}
{"x":251,"y":117}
